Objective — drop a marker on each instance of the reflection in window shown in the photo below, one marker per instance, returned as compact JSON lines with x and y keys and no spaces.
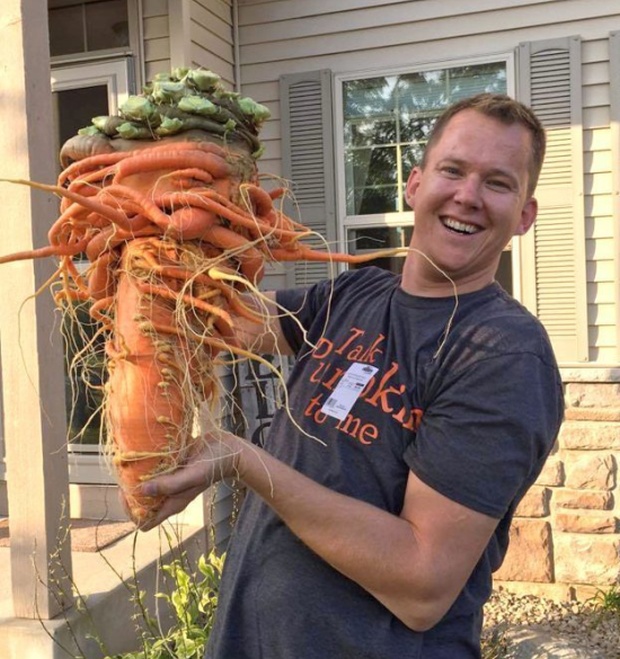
{"x":387,"y":120}
{"x":84,"y":375}
{"x":370,"y":239}
{"x":83,"y":26}
{"x":84,"y":369}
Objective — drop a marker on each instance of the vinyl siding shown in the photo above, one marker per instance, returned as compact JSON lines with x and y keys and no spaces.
{"x":598,"y":191}
{"x":156,"y":32}
{"x":211,"y":36}
{"x":292,"y":36}
{"x":614,"y":157}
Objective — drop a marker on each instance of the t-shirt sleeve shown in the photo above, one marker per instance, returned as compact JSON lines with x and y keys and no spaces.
{"x":300,"y":308}
{"x":485,"y":434}
{"x":294,"y":307}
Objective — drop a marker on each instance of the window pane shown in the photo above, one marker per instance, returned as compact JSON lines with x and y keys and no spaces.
{"x":66,"y":31}
{"x":425,"y":93}
{"x":106,"y":25}
{"x":75,"y":108}
{"x":84,"y":377}
{"x":368,"y":97}
{"x":387,"y":121}
{"x":470,"y":80}
{"x":416,"y":129}
{"x":370,"y":239}
{"x":366,"y":132}
{"x":371,"y":176}
{"x":79,"y":27}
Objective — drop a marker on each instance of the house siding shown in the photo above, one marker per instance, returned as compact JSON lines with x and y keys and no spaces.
{"x":211,"y":34}
{"x":293,"y":36}
{"x":601,"y":250}
{"x":156,"y":36}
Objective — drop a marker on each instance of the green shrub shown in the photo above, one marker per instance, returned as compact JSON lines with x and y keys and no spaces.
{"x":192,"y":601}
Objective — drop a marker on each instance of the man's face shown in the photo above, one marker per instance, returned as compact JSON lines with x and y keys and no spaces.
{"x":469,"y":200}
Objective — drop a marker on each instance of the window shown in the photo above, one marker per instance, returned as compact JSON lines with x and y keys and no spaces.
{"x":385,"y":122}
{"x":84,"y":26}
{"x":85,"y":91}
{"x":80,"y":93}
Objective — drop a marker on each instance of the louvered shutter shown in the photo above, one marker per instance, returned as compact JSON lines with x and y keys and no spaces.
{"x":308,"y":164}
{"x":553,"y":266}
{"x":614,"y":77}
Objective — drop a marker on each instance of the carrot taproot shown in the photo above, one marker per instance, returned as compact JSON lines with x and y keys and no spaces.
{"x":175,"y":232}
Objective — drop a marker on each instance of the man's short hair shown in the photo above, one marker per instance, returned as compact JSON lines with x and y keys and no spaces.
{"x":507,"y":111}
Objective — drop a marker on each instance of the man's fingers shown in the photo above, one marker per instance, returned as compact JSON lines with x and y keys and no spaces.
{"x":185,"y":478}
{"x":170,"y":506}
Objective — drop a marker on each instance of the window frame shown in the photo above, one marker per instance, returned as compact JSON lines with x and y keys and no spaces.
{"x":86,"y":462}
{"x":133,"y":54}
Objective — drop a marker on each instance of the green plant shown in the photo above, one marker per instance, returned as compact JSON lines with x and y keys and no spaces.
{"x":192,"y":601}
{"x":495,"y":645}
{"x":606,"y":603}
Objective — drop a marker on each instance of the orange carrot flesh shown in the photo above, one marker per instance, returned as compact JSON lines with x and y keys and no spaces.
{"x":154,"y":223}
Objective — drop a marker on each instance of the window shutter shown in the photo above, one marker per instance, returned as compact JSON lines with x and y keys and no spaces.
{"x":553,"y":260}
{"x":614,"y":77}
{"x":308,"y":164}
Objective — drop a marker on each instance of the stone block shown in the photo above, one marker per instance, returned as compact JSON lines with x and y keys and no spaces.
{"x":535,"y":503}
{"x":552,"y":473}
{"x":590,"y":472}
{"x":574,"y":522}
{"x":592,"y":414}
{"x":587,"y":559}
{"x":583,"y":499}
{"x":593,"y":394}
{"x":529,"y":556}
{"x":590,"y":435}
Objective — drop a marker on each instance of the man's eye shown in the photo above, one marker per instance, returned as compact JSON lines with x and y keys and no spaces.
{"x":499,"y":184}
{"x":451,"y":171}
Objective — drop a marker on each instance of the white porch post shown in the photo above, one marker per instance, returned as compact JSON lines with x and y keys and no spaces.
{"x":30,"y":345}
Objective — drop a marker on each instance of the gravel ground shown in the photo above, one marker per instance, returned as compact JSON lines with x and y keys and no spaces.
{"x":566,"y":629}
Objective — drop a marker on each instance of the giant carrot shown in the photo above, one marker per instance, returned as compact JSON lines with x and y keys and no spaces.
{"x":156,"y":217}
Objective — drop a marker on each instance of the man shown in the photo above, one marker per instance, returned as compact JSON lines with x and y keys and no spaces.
{"x":420,"y":409}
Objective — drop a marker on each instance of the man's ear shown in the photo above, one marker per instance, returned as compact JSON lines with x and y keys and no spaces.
{"x":528,"y":217}
{"x":413,"y":182}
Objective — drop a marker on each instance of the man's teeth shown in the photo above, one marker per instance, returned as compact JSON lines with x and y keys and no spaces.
{"x":455,"y":225}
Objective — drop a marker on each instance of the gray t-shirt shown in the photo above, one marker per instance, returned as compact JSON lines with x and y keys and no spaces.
{"x":475,"y":421}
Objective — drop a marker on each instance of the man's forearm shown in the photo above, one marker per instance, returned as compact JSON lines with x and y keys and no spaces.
{"x":378,"y":550}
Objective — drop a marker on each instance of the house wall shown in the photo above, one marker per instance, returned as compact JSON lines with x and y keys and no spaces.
{"x":568,"y":530}
{"x":289,"y":36}
{"x":195,"y":33}
{"x":156,"y":36}
{"x":601,"y":249}
{"x":211,"y":33}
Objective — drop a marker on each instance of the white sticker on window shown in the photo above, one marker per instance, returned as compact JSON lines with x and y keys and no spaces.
{"x":348,"y":390}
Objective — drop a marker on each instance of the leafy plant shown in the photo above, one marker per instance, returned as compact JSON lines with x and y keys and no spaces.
{"x":495,"y":645}
{"x":192,"y":601}
{"x":606,"y":603}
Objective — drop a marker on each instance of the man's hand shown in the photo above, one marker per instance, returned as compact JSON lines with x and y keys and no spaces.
{"x":415,"y":564}
{"x":214,"y":459}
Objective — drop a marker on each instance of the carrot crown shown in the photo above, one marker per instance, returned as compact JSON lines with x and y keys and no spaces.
{"x":184,"y":100}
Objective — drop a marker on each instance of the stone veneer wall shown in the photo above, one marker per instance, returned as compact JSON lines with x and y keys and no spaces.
{"x":565,"y":540}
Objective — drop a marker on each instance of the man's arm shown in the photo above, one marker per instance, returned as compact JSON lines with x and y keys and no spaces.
{"x":415,"y":564}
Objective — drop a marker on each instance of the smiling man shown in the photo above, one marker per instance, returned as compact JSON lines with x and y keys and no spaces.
{"x":434,"y":414}
{"x":471,"y":195}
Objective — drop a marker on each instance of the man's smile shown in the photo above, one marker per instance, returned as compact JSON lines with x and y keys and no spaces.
{"x":459,"y":227}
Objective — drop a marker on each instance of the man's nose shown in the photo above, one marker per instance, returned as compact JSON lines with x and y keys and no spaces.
{"x":468,"y":191}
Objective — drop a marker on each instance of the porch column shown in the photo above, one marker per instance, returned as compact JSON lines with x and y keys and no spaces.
{"x":30,"y":345}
